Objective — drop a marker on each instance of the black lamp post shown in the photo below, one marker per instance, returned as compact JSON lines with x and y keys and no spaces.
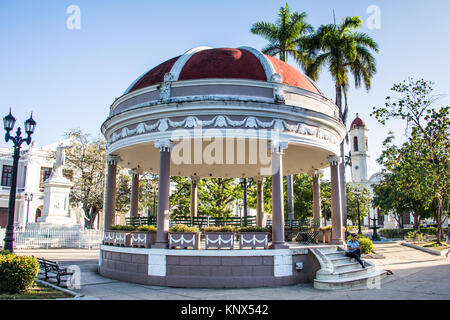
{"x":358,"y":195}
{"x":28,"y":198}
{"x":244,"y":185}
{"x":8,"y":123}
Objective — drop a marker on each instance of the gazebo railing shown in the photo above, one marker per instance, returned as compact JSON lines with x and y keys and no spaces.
{"x":294,"y":224}
{"x":200,"y":222}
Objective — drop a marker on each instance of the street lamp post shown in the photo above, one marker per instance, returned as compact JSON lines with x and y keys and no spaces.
{"x":8,"y":123}
{"x":28,"y":198}
{"x":358,"y":195}
{"x":244,"y":185}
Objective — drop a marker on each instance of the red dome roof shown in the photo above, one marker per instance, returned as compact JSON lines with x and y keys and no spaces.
{"x":223,"y":63}
{"x":357,"y":123}
{"x":226,"y":63}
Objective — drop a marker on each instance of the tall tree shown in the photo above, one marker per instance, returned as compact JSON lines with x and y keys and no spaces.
{"x":284,"y":35}
{"x":87,"y":159}
{"x":344,"y":52}
{"x":424,"y":160}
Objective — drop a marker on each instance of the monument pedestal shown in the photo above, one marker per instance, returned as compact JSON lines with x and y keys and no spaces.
{"x":55,"y":214}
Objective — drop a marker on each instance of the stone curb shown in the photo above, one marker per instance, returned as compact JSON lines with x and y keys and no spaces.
{"x":431,"y":251}
{"x":75,"y":295}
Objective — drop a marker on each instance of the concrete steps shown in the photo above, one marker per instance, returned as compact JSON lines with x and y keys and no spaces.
{"x":340,"y":272}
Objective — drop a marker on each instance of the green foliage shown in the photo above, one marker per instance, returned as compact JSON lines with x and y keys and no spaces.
{"x":394,"y":233}
{"x":147,"y":228}
{"x":216,"y":196}
{"x":180,"y":198}
{"x":352,"y":202}
{"x":148,"y":193}
{"x":252,"y":229}
{"x":365,"y":243}
{"x":183,"y":228}
{"x":284,"y":35}
{"x":219,"y":229}
{"x":415,"y":236}
{"x":432,"y":231}
{"x":417,"y":173}
{"x":354,"y":228}
{"x":123,"y":193}
{"x":122,"y":228}
{"x":4,"y":251}
{"x":87,"y":159}
{"x":17,"y":273}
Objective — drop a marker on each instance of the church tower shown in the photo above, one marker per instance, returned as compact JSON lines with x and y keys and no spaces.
{"x":359,"y":153}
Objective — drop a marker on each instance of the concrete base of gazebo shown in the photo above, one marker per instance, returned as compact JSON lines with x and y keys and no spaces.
{"x":210,"y":268}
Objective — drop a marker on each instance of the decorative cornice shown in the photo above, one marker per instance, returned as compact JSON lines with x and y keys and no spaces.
{"x":220,"y":121}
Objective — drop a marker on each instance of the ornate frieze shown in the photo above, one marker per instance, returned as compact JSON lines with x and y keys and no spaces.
{"x":220,"y":121}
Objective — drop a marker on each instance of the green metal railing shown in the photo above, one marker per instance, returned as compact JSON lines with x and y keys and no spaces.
{"x":200,"y":222}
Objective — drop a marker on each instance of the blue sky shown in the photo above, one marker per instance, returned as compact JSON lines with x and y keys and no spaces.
{"x":69,"y":78}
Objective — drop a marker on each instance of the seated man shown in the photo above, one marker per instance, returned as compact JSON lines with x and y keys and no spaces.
{"x":354,"y":250}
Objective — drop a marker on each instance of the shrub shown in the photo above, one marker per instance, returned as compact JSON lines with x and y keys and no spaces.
{"x":431,"y":231}
{"x":414,"y":236}
{"x":219,"y":229}
{"x":394,"y":233}
{"x":4,"y":251}
{"x":122,"y":228}
{"x":366,"y":243}
{"x":147,"y":228}
{"x":183,"y":228}
{"x":252,"y":229}
{"x":353,"y":228}
{"x":17,"y":273}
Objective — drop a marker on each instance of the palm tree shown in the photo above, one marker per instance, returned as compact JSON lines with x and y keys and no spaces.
{"x":283,"y":37}
{"x":345,"y":52}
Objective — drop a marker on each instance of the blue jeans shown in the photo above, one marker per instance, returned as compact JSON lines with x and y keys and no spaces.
{"x":356,"y":255}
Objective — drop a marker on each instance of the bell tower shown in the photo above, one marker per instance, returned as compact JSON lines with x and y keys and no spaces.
{"x":359,"y":153}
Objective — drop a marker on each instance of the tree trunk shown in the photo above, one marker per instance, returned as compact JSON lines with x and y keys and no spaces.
{"x":342,"y":164}
{"x":439,"y":221}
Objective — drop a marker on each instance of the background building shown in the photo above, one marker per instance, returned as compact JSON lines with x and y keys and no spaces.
{"x":35,"y":167}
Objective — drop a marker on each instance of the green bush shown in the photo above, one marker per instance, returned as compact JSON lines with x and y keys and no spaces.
{"x":183,"y":228}
{"x":147,"y":228}
{"x":17,"y":273}
{"x":122,"y":228}
{"x":365,"y":243}
{"x":414,"y":236}
{"x":252,"y":229}
{"x":219,"y":229}
{"x":394,"y":233}
{"x":354,"y":228}
{"x":431,"y":231}
{"x":4,"y":251}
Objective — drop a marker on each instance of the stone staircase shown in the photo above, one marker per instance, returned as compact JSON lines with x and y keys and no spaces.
{"x":341,"y":272}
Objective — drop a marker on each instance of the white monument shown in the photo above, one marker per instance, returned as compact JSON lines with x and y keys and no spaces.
{"x":55,"y":213}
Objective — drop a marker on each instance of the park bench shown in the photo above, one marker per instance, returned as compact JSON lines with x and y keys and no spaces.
{"x":53,"y":267}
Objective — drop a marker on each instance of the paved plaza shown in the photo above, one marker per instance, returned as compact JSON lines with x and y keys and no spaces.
{"x":415,"y":275}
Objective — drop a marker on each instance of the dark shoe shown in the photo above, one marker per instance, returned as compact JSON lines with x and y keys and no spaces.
{"x":363,"y":265}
